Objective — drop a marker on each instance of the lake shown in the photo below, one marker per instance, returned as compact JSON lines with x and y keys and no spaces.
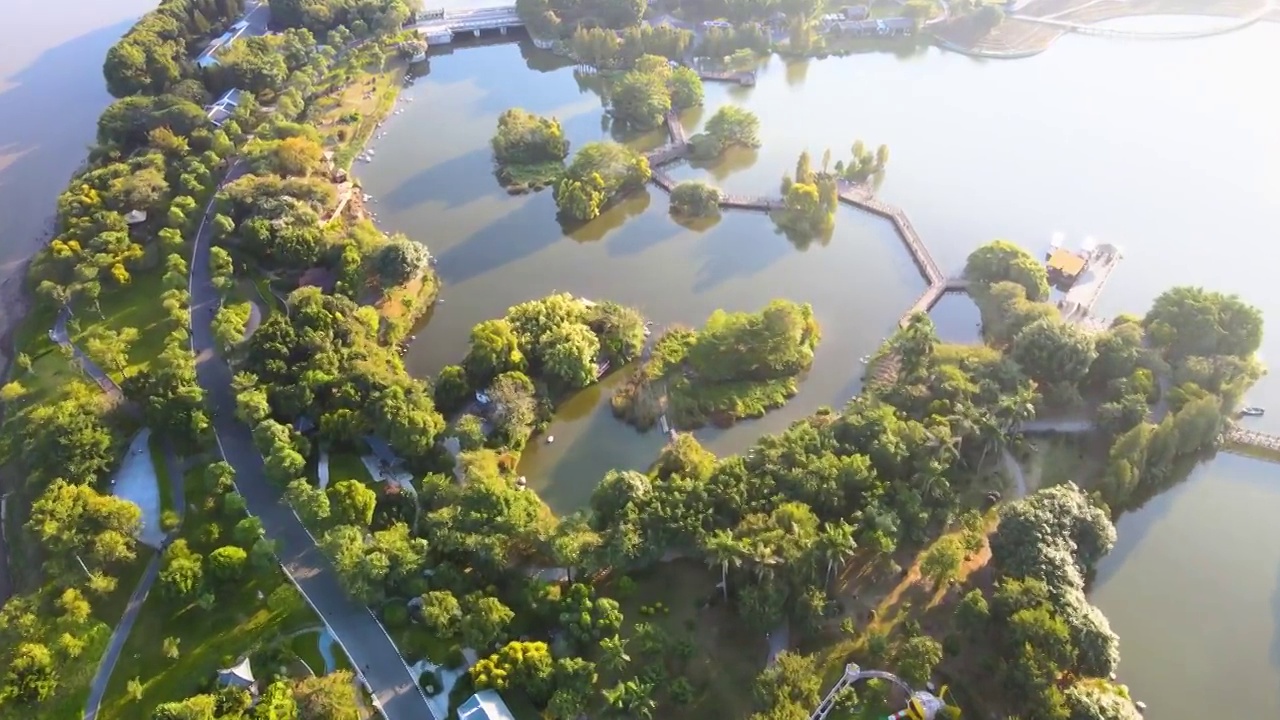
{"x":1167,"y":149}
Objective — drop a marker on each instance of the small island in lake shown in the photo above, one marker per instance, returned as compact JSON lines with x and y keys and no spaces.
{"x":529,"y":150}
{"x":740,"y":365}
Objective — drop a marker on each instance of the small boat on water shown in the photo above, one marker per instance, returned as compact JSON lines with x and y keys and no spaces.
{"x":1252,"y":411}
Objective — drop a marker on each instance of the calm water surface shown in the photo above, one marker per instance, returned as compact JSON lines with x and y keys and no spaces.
{"x":51,"y":93}
{"x":1167,"y":149}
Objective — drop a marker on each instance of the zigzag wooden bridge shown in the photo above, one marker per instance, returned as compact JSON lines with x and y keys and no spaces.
{"x":854,"y":194}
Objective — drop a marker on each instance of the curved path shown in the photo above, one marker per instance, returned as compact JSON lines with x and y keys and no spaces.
{"x":107,"y":664}
{"x":357,"y":631}
{"x":60,"y":335}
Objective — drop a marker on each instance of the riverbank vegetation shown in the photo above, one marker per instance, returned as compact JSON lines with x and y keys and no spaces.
{"x":599,"y":173}
{"x":115,"y":277}
{"x":604,"y":49}
{"x":740,"y":365}
{"x":529,"y":150}
{"x":730,"y":126}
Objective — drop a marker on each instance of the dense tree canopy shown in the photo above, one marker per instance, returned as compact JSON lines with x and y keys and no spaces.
{"x":527,"y":139}
{"x":1002,"y":260}
{"x":1187,"y":321}
{"x":324,"y":361}
{"x":599,"y":171}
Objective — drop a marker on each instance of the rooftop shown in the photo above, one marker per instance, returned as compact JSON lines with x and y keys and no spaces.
{"x":485,"y":705}
{"x":1066,"y":262}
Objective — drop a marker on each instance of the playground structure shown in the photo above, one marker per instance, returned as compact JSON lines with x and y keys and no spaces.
{"x":921,"y":704}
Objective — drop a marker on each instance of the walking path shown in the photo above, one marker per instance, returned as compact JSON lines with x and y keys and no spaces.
{"x":107,"y":664}
{"x":60,"y":335}
{"x":355,"y":628}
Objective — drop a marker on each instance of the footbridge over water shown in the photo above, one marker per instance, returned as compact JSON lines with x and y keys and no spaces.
{"x":440,"y":26}
{"x":1231,"y":25}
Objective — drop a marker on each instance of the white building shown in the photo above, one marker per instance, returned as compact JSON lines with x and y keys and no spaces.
{"x":485,"y":705}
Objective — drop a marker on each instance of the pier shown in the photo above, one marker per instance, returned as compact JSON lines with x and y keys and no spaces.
{"x":1077,"y":306}
{"x":1253,"y":443}
{"x":746,"y":79}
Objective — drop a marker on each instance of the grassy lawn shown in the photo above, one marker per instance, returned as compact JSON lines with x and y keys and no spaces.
{"x":306,"y":646}
{"x":416,"y":643}
{"x":135,"y":305}
{"x":727,"y":657}
{"x":242,"y":620}
{"x":162,"y":473}
{"x":347,"y":466}
{"x":350,"y":117}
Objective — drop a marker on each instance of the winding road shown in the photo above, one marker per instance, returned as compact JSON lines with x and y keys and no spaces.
{"x":354,"y":626}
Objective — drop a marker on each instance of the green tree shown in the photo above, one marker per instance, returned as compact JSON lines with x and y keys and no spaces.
{"x":441,"y":613}
{"x":571,"y":353}
{"x":1002,"y":260}
{"x":484,"y":621}
{"x":452,"y":389}
{"x":527,"y":139}
{"x":227,"y":563}
{"x":941,"y":563}
{"x":494,"y":349}
{"x":182,"y":570}
{"x":310,"y":502}
{"x":32,"y":676}
{"x":1052,"y":351}
{"x":694,"y":199}
{"x":352,"y":503}
{"x":916,"y":658}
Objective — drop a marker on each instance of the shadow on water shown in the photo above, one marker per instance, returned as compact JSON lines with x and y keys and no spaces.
{"x":734,"y":160}
{"x":743,"y":253}
{"x":53,"y":101}
{"x":502,"y":242}
{"x":613,"y":218}
{"x":453,"y":183}
{"x":1145,"y":512}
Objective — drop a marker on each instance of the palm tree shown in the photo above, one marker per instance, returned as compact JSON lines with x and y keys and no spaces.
{"x":614,"y":653}
{"x":764,"y":560}
{"x":835,"y":545}
{"x":631,"y":699}
{"x":723,"y":549}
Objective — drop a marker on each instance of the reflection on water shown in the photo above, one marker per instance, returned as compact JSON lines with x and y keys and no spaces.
{"x":957,"y":319}
{"x":1193,"y":589}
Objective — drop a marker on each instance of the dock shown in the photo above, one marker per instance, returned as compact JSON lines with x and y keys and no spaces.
{"x":1077,"y":306}
{"x":1241,"y":440}
{"x":746,"y":78}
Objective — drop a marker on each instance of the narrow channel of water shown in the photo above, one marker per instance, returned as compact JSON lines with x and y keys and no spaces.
{"x":1167,"y":149}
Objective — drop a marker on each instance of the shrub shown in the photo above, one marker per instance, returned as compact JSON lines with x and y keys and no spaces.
{"x":454,"y":659}
{"x":395,"y":614}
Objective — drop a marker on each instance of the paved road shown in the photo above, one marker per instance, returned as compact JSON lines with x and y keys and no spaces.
{"x":351,"y":623}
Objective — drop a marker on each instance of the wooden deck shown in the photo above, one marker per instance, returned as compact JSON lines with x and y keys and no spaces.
{"x":747,"y":78}
{"x":750,"y":202}
{"x":1241,"y":439}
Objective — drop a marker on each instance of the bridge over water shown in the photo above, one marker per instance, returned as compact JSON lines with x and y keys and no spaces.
{"x":440,"y":26}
